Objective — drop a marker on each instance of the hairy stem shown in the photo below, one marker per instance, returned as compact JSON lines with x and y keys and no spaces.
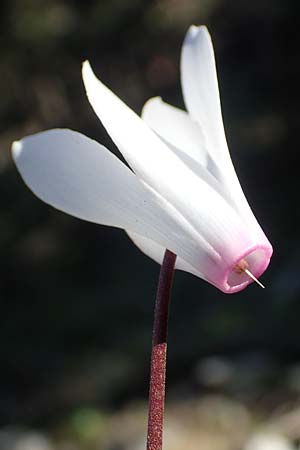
{"x":159,"y":353}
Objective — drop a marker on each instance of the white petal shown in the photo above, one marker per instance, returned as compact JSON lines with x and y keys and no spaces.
{"x":152,"y":160}
{"x":201,"y":95}
{"x":81,"y":177}
{"x":186,"y":140}
{"x":200,"y":88}
{"x":148,"y":156}
{"x":176,"y":128}
{"x":77,"y":175}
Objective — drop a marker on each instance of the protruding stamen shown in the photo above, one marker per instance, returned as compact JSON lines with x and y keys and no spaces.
{"x":243,"y":266}
{"x":247,"y":271}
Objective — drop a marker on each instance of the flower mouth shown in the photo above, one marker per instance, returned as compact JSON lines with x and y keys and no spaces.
{"x":255,"y":260}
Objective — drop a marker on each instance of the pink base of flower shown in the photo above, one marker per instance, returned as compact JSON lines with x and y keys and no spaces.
{"x":258,"y":259}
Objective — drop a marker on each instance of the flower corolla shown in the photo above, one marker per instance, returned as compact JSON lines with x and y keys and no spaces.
{"x":181,"y":191}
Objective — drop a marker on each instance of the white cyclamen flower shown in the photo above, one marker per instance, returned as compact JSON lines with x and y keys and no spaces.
{"x":182,"y":193}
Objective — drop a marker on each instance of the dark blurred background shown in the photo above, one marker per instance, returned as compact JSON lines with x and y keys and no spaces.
{"x":77,"y":299}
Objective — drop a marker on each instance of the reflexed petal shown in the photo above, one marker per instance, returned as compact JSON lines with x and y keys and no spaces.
{"x":151,"y":159}
{"x":185,"y":139}
{"x":148,"y":156}
{"x":200,"y":88}
{"x":81,"y":177}
{"x":77,"y":175}
{"x":176,"y":128}
{"x":201,"y":95}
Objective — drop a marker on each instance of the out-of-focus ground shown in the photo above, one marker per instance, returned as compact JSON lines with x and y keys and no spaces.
{"x":77,"y":299}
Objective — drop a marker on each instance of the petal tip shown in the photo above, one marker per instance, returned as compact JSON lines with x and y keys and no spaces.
{"x":16,"y":149}
{"x":89,"y":78}
{"x":193,"y":29}
{"x":196,"y":32}
{"x":85,"y":64}
{"x":86,"y":70}
{"x":149,"y":103}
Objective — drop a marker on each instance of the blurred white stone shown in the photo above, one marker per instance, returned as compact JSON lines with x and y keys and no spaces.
{"x":268,"y":441}
{"x":15,"y":439}
{"x":214,"y":371}
{"x":250,"y":372}
{"x":293,"y":378}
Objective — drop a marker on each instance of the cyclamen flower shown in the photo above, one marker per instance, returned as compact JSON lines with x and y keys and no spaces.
{"x":182,"y":192}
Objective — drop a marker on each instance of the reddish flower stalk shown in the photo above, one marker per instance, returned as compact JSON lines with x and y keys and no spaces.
{"x":159,"y":353}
